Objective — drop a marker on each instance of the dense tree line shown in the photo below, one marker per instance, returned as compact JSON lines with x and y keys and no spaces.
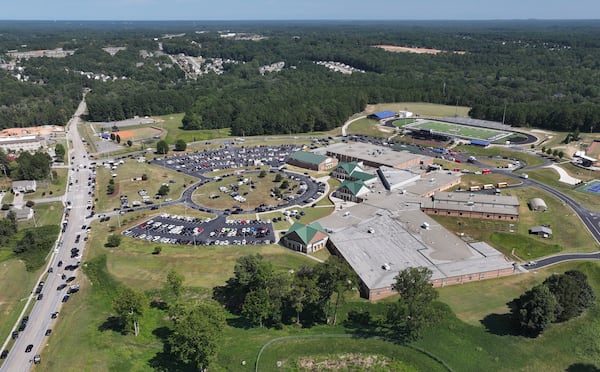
{"x":33,"y":166}
{"x":541,"y":74}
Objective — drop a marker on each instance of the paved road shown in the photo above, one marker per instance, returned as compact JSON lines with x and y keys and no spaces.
{"x":39,"y":316}
{"x":553,"y":260}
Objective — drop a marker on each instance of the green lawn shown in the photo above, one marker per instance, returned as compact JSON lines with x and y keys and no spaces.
{"x":369,"y":127}
{"x":460,"y":130}
{"x":45,"y":214}
{"x":124,"y":185}
{"x":421,"y":108}
{"x":260,"y":194}
{"x":525,"y":157}
{"x":172,"y":124}
{"x":402,"y":122}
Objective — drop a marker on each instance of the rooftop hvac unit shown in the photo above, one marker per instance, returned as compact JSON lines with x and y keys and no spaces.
{"x":371,"y":230}
{"x":386,"y":266}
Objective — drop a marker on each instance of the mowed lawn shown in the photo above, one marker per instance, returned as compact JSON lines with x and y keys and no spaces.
{"x":530,"y":159}
{"x":551,"y":177}
{"x":45,"y":214}
{"x":172,"y":125}
{"x":459,"y":130}
{"x":124,"y":185}
{"x":369,"y":127}
{"x":260,"y":194}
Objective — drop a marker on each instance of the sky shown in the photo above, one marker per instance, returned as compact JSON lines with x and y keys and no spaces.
{"x":297,"y":9}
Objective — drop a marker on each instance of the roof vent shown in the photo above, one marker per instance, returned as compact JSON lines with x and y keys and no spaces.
{"x":371,"y":230}
{"x":386,"y":266}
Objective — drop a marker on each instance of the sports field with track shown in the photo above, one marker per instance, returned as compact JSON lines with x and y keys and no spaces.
{"x":458,"y":130}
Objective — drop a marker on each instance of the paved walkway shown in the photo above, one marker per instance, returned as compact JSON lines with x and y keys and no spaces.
{"x":564,"y":176}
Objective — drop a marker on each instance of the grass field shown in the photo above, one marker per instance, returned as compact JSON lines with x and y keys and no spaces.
{"x":261,"y":193}
{"x":369,"y":127}
{"x":420,"y":108}
{"x":45,"y":214}
{"x":172,"y":124}
{"x":402,"y":122}
{"x":524,"y":157}
{"x":460,"y":130}
{"x":125,"y":186}
{"x":50,"y":187}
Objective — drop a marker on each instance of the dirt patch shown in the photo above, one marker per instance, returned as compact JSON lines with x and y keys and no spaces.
{"x":342,"y":362}
{"x":594,"y":149}
{"x":402,"y":49}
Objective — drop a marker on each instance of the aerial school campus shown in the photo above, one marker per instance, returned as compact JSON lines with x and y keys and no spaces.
{"x":409,"y":237}
{"x":381,"y":204}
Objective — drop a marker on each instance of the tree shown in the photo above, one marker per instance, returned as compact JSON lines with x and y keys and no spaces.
{"x":157,"y":250}
{"x":180,"y":145}
{"x":144,"y":177}
{"x":278,"y":177}
{"x":130,"y":306}
{"x":414,"y":310}
{"x":549,"y":151}
{"x":257,"y":306}
{"x":535,"y":310}
{"x":555,"y":152}
{"x":118,"y":138}
{"x":284,"y":185}
{"x":572,"y":292}
{"x":113,"y":241}
{"x":262,"y":174}
{"x":112,"y":136}
{"x":163,"y":190}
{"x":162,"y":147}
{"x":129,"y":143}
{"x":175,"y":282}
{"x":59,"y":151}
{"x":196,"y":334}
{"x":304,"y":291}
{"x":335,"y":279}
{"x":561,"y":154}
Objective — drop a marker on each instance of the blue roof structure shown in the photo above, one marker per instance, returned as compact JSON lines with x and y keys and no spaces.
{"x":382,"y":115}
{"x":480,"y":142}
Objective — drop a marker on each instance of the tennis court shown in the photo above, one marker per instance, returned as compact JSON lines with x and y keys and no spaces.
{"x":463,"y":131}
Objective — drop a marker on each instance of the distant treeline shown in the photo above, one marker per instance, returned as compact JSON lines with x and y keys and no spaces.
{"x":543,"y":74}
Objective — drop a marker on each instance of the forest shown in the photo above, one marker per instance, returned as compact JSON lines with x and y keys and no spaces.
{"x":528,"y":73}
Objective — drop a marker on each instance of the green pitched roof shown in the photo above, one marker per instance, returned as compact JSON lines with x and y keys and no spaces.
{"x":353,"y":186}
{"x":308,"y":157}
{"x":362,"y":176}
{"x":306,"y":232}
{"x":348,"y":167}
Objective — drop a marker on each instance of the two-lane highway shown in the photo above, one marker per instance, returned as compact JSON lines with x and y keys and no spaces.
{"x":40,"y":319}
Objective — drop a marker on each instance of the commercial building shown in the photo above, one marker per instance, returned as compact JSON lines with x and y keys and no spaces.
{"x":379,"y":243}
{"x":22,"y":143}
{"x":309,"y":160}
{"x":305,"y":238}
{"x":464,"y":204}
{"x":376,"y":156}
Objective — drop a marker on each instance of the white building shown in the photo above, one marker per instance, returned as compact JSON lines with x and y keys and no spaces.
{"x":22,"y":143}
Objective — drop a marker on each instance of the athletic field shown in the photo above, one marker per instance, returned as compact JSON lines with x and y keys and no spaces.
{"x":458,"y":130}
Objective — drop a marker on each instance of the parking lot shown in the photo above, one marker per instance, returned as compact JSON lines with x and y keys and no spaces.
{"x":172,"y":229}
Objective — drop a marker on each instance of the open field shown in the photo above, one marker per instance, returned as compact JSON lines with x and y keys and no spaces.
{"x":524,"y":157}
{"x":50,"y":187}
{"x":402,"y":122}
{"x":12,"y":271}
{"x":259,"y":194}
{"x":450,"y":165}
{"x":404,"y":49}
{"x":420,"y":108}
{"x":369,"y":127}
{"x":125,"y":186}
{"x":464,"y":131}
{"x":172,"y":124}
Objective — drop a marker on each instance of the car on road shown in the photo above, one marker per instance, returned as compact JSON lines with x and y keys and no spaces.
{"x":61,"y":287}
{"x":4,"y":354}
{"x":37,"y":359}
{"x":65,"y":298}
{"x":59,"y":263}
{"x":54,"y":315}
{"x":48,"y":332}
{"x":50,"y":270}
{"x":40,"y":296}
{"x":29,"y":348}
{"x":15,"y":335}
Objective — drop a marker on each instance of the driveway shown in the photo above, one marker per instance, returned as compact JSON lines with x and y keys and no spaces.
{"x":564,"y":176}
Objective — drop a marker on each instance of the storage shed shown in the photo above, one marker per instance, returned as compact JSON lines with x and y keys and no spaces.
{"x":538,"y":205}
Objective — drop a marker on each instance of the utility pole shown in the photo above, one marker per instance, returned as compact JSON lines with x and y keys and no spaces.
{"x":504,"y":113}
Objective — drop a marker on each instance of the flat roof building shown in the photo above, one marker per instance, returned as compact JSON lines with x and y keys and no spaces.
{"x":22,"y":143}
{"x":379,"y":245}
{"x":470,"y":205}
{"x":376,"y":156}
{"x":382,"y":115}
